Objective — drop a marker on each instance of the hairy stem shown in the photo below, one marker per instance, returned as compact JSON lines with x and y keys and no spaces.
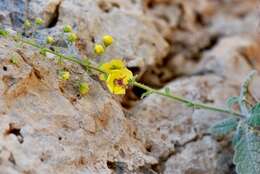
{"x":189,"y":103}
{"x":72,"y":59}
{"x":186,"y":101}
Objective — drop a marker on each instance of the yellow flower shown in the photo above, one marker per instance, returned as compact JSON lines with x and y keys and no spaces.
{"x":107,"y":40}
{"x":118,"y":80}
{"x":99,"y":49}
{"x":114,"y":64}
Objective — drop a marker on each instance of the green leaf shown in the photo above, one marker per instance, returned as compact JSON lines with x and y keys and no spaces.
{"x":231,"y":101}
{"x":223,"y":127}
{"x":254,"y":119}
{"x":247,"y":154}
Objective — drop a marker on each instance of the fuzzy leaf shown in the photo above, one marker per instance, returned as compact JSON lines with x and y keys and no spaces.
{"x":254,"y":119}
{"x":231,"y":101}
{"x":247,"y":154}
{"x":223,"y":127}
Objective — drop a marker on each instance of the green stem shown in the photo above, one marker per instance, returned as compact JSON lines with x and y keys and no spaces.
{"x":186,"y":101}
{"x":147,"y":88}
{"x":72,"y":59}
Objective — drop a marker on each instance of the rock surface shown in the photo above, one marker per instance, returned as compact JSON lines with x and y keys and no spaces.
{"x":200,"y":157}
{"x":165,"y":126}
{"x":137,"y":40}
{"x":200,"y":49}
{"x":44,"y":123}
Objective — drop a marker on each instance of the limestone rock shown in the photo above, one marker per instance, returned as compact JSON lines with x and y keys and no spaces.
{"x":231,"y":58}
{"x":200,"y":157}
{"x":11,"y":12}
{"x":45,"y":122}
{"x":176,"y":134}
{"x":161,"y":124}
{"x":47,"y":10}
{"x":14,"y":12}
{"x":136,"y":39}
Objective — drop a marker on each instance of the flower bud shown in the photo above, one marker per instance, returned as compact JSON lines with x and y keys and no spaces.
{"x":72,"y":37}
{"x":27,"y":24}
{"x":83,"y":88}
{"x":3,"y":32}
{"x":64,"y":75}
{"x":67,"y":29}
{"x":107,"y":40}
{"x":38,"y":21}
{"x":99,"y":49}
{"x":14,"y":60}
{"x":50,"y":40}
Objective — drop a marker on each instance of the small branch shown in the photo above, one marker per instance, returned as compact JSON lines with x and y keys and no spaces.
{"x":244,"y":93}
{"x":72,"y":59}
{"x":189,"y":103}
{"x":186,"y":101}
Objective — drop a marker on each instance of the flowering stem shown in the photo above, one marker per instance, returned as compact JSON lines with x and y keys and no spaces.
{"x":72,"y":59}
{"x":189,"y":103}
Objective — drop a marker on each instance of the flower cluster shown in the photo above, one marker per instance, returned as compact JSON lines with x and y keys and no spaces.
{"x":114,"y":73}
{"x":116,"y":76}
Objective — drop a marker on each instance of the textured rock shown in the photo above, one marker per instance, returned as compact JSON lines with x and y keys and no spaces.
{"x":45,"y":123}
{"x":195,"y":28}
{"x":162,"y":123}
{"x":232,"y":58}
{"x":168,"y":128}
{"x":48,"y":10}
{"x":14,"y":12}
{"x":199,"y":158}
{"x":137,"y":40}
{"x":47,"y":127}
{"x":11,"y":12}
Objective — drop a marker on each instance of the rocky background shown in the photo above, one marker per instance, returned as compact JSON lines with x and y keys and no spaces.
{"x":201,"y":49}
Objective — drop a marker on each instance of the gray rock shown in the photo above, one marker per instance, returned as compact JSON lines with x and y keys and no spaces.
{"x":161,"y":123}
{"x":44,"y":123}
{"x":12,"y":12}
{"x":230,"y":59}
{"x":136,"y":39}
{"x":199,"y":157}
